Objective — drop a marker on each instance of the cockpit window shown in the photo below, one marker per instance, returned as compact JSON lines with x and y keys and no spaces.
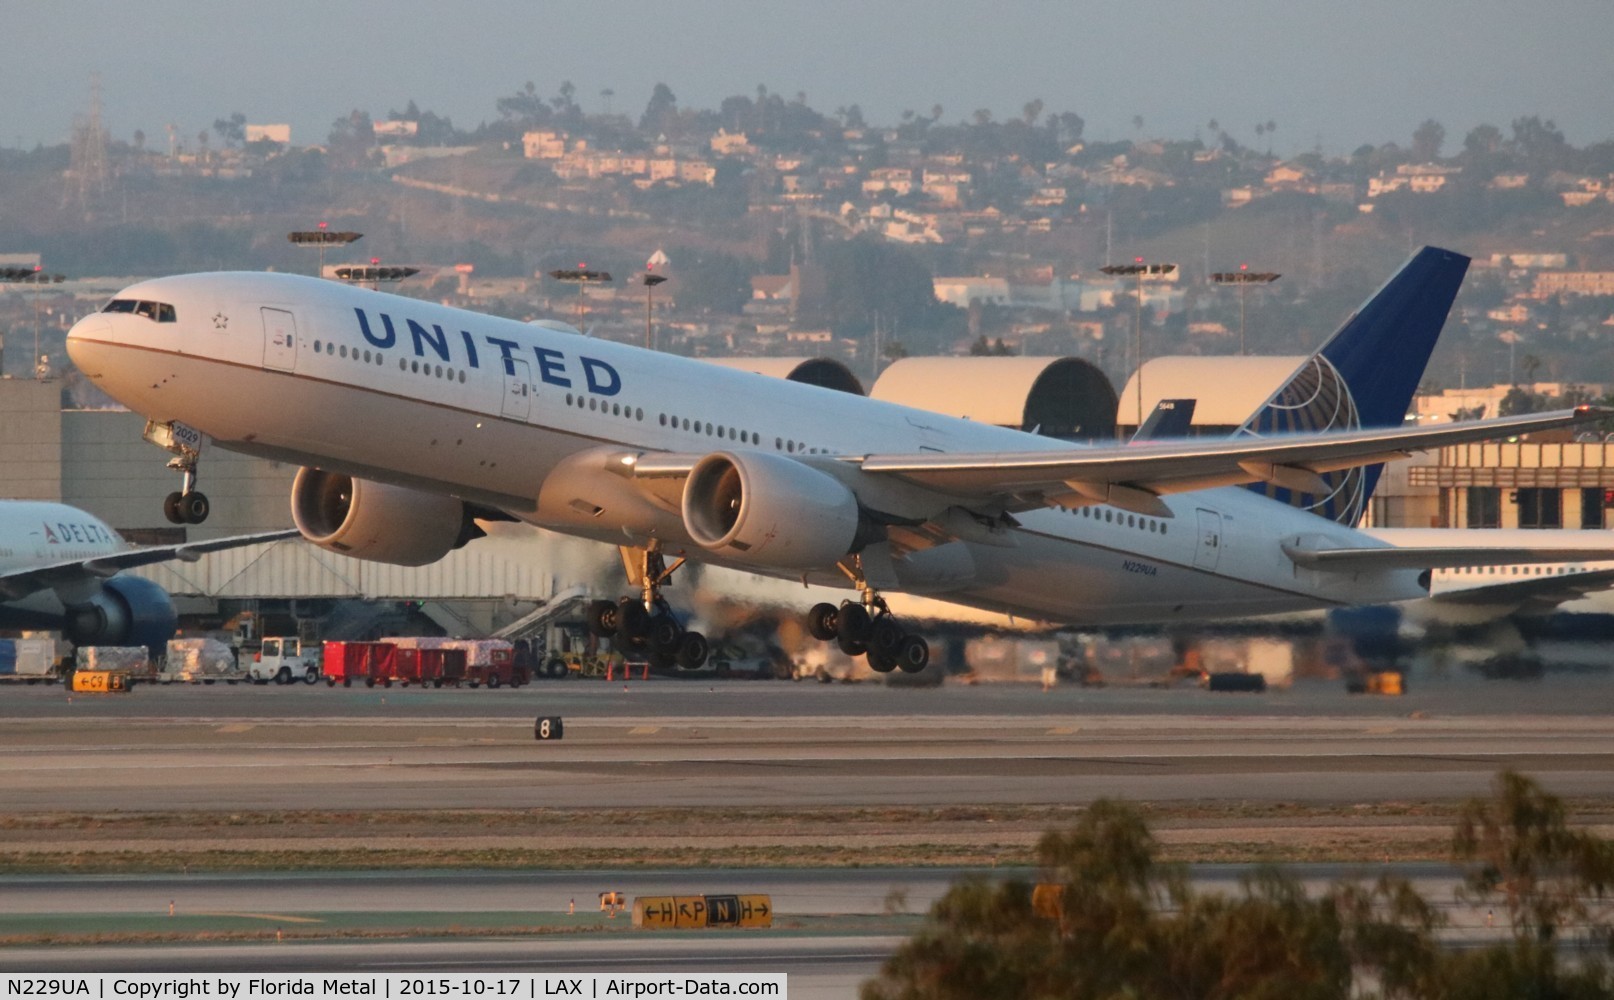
{"x":160,"y":312}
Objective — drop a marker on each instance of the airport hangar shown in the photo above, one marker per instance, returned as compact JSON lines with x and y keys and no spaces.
{"x":95,"y":459}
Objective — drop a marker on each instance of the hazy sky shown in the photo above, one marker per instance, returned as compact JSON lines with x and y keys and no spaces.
{"x":1342,"y":73}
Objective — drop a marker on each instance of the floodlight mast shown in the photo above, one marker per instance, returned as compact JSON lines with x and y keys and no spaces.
{"x":1243,"y":278}
{"x":581,"y":276}
{"x":320,"y":238}
{"x":1139,"y":268}
{"x":650,"y":283}
{"x":35,"y":276}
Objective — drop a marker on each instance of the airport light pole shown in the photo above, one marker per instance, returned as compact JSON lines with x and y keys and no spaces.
{"x":582,"y":276}
{"x":1244,"y":278}
{"x":375,"y":274}
{"x":322,"y":237}
{"x":1139,"y":268}
{"x":35,"y":276}
{"x":650,"y":283}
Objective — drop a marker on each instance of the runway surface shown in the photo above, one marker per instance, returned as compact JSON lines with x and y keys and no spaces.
{"x":761,"y":744}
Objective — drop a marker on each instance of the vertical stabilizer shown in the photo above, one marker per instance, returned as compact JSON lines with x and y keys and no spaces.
{"x":1364,"y":375}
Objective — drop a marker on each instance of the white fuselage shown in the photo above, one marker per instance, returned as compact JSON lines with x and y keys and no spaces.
{"x":37,"y":533}
{"x":521,"y":417}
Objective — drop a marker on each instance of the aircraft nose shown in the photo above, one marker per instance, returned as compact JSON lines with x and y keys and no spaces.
{"x":86,"y":343}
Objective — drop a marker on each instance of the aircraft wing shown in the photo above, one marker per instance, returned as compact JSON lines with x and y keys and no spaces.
{"x":1531,"y":595}
{"x":19,"y":583}
{"x":1135,"y":476}
{"x":1363,"y":560}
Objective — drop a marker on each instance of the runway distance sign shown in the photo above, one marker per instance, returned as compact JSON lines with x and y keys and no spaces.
{"x":547,"y":727}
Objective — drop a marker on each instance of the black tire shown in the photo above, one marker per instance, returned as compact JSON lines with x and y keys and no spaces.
{"x":913,"y":655}
{"x":632,"y":620}
{"x":171,"y":508}
{"x":369,"y":682}
{"x":693,"y":651}
{"x":881,"y":663}
{"x":665,"y":634}
{"x":437,"y":682}
{"x":852,"y":624}
{"x":493,"y":681}
{"x":885,"y":637}
{"x":852,"y":647}
{"x":311,"y":677}
{"x":821,"y":621}
{"x":602,"y":619}
{"x":347,"y":682}
{"x":387,"y":683}
{"x":194,"y":507}
{"x":556,"y":668}
{"x":330,"y":682}
{"x":283,"y":675}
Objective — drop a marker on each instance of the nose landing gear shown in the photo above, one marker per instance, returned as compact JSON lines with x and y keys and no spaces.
{"x":645,"y":625}
{"x":186,"y":505}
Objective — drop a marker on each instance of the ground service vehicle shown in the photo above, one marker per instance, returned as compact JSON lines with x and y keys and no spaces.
{"x":283,"y":660}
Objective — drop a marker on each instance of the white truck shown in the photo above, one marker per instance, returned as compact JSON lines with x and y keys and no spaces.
{"x":284,"y":660}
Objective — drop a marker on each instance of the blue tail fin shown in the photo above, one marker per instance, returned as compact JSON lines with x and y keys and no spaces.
{"x":1364,"y":375}
{"x":1172,"y":418}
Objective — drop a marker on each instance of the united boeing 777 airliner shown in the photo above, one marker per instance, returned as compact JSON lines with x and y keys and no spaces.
{"x":413,"y":420}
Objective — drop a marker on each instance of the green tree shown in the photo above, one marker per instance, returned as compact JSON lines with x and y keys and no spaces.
{"x":661,"y":111}
{"x":1427,"y":140}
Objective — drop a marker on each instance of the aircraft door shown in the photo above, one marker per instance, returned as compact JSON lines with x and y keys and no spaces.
{"x":279,"y":339}
{"x":1209,"y":549}
{"x":517,"y":390}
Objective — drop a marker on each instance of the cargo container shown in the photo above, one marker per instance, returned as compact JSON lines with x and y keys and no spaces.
{"x":29,"y":661}
{"x":200,"y":661}
{"x":429,"y":667}
{"x":367,"y":663}
{"x":131,"y":661}
{"x":487,"y":661}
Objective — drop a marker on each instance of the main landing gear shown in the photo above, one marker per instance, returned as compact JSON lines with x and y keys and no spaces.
{"x":645,"y":625}
{"x":867,"y":627}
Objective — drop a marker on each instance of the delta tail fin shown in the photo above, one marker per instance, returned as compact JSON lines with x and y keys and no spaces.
{"x":1364,"y":376}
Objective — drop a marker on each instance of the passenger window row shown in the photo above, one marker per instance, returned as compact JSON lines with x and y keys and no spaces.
{"x":1109,"y":515}
{"x":413,"y":366}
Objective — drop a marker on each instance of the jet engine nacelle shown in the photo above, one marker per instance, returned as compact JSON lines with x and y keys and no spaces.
{"x":770,"y":510}
{"x":127,"y":611}
{"x":375,"y":521}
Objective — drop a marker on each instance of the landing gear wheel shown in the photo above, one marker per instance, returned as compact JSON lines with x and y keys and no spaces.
{"x":885,"y":637}
{"x":665,"y":634}
{"x":556,"y":668}
{"x":913,"y":654}
{"x":602,"y":619}
{"x":881,"y":663}
{"x":821,"y":621}
{"x":852,"y":647}
{"x":852,"y":624}
{"x":171,"y":507}
{"x":194,"y":507}
{"x":632,"y":620}
{"x":692,"y":652}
